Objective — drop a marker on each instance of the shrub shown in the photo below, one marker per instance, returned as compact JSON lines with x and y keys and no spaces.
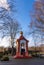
{"x":5,"y":58}
{"x":1,"y":55}
{"x":5,"y":53}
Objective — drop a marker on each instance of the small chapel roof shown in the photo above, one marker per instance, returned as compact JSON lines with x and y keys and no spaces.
{"x":22,"y":37}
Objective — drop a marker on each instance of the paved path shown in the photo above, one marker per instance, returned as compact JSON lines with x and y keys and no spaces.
{"x":23,"y":62}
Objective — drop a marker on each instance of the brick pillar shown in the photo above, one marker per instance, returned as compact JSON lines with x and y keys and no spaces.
{"x":26,"y":49}
{"x":18,"y":49}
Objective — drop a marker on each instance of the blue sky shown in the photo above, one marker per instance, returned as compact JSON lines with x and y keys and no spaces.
{"x":23,"y":9}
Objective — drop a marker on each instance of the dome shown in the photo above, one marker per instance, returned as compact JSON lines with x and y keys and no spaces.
{"x":21,"y":33}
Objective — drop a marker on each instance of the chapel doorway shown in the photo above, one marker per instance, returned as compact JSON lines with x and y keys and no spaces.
{"x":22,"y":49}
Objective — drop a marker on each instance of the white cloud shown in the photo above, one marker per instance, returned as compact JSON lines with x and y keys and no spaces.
{"x":4,"y":4}
{"x":4,"y":42}
{"x":31,"y":43}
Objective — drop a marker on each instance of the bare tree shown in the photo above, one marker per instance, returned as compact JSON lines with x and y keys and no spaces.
{"x":11,"y":9}
{"x":9,"y":26}
{"x":37,"y":16}
{"x":37,"y":22}
{"x":12,"y":5}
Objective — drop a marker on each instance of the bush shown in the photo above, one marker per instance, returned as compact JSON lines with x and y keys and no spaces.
{"x":5,"y":53}
{"x":5,"y":58}
{"x":1,"y":55}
